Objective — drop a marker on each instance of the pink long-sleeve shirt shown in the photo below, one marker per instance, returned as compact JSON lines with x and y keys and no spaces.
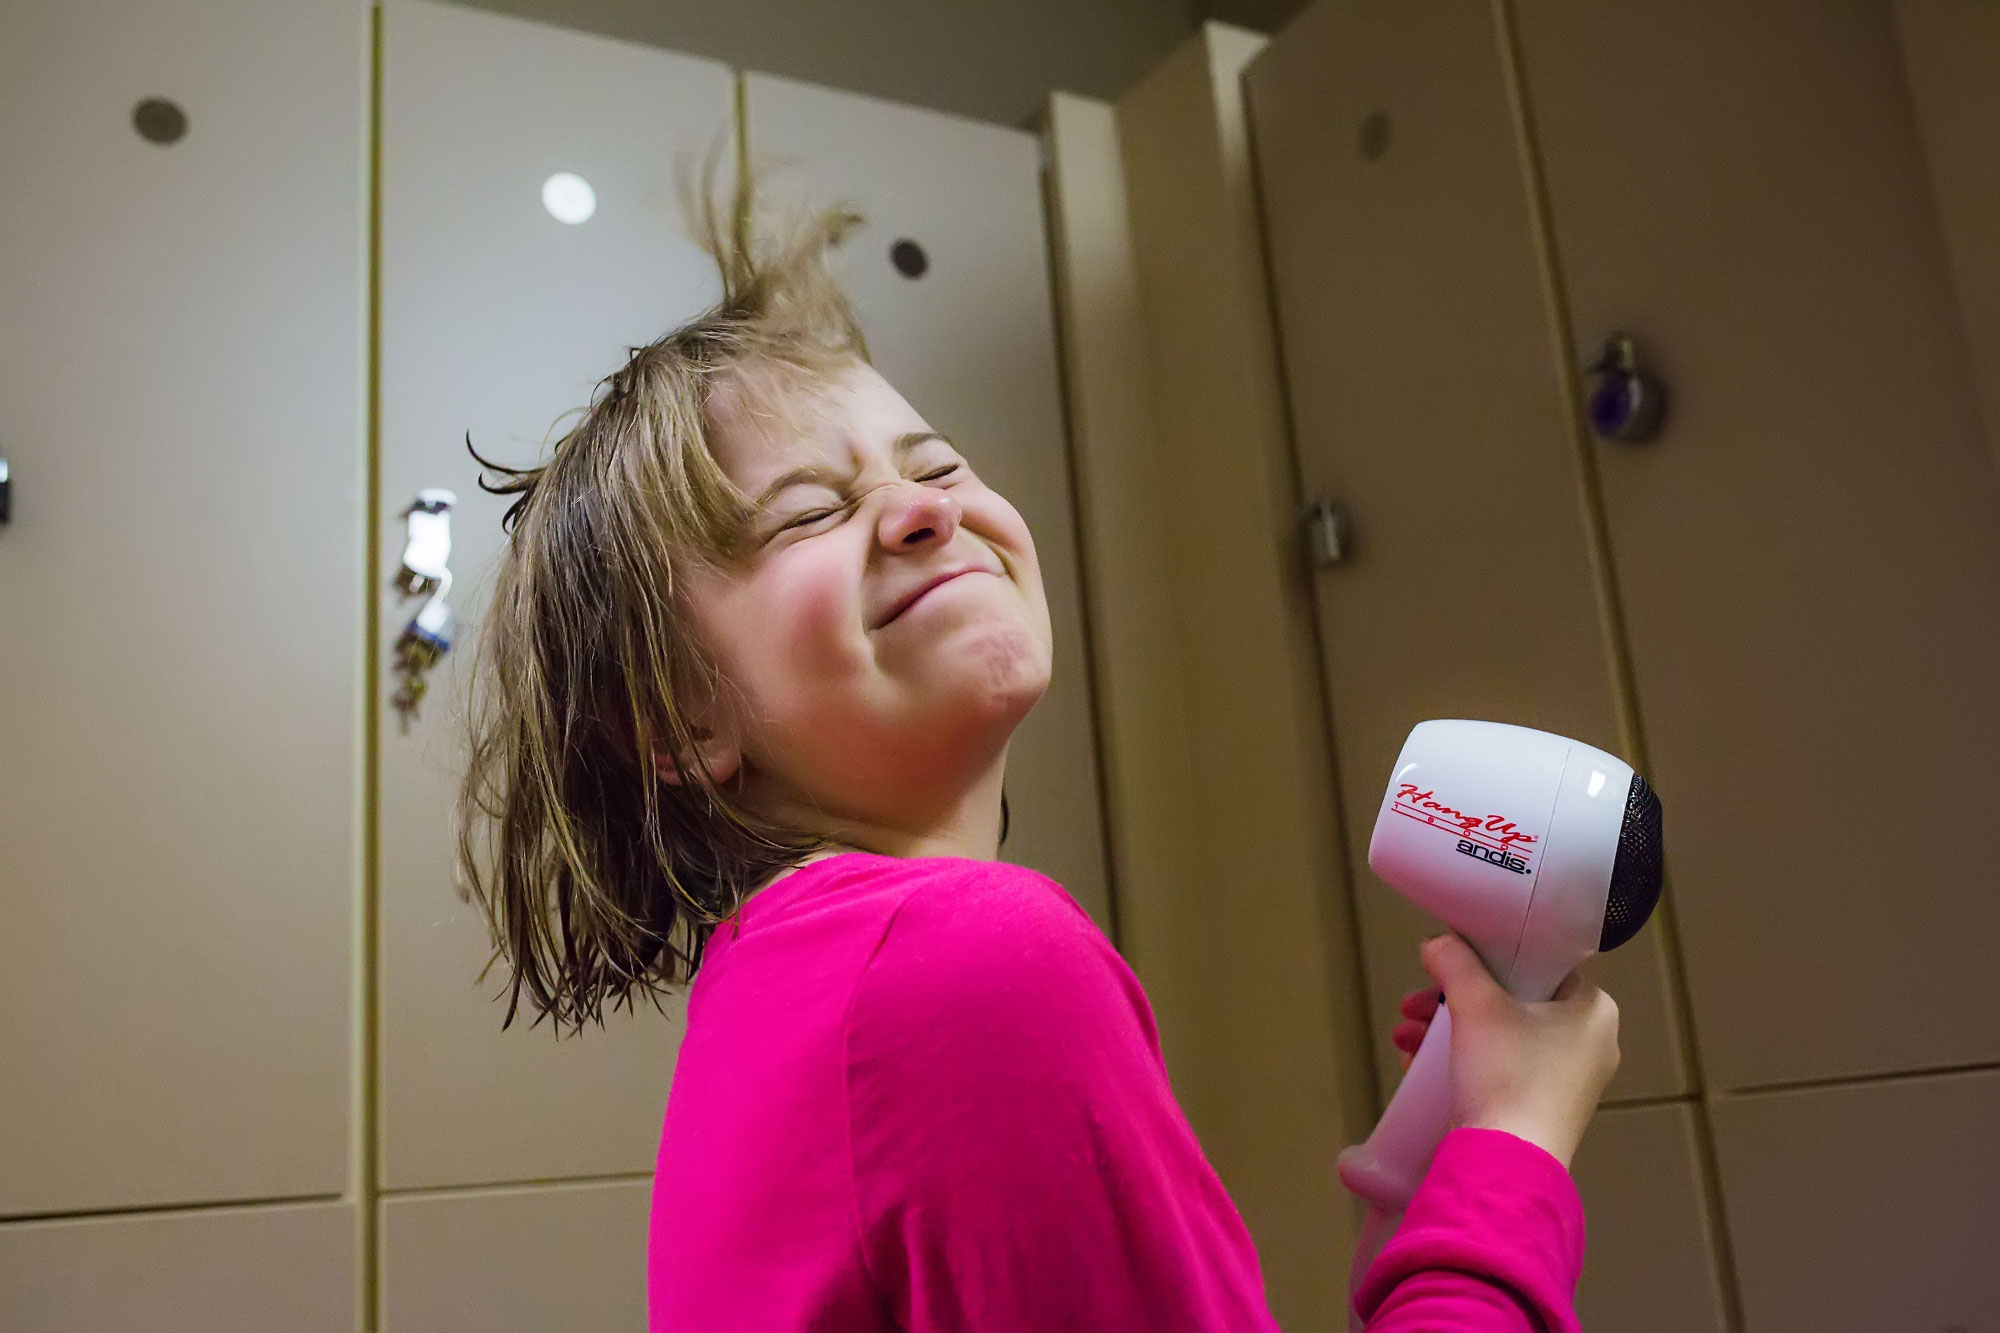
{"x":927,"y":1095}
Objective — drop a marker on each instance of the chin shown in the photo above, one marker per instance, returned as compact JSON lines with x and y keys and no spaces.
{"x":1003,"y":667}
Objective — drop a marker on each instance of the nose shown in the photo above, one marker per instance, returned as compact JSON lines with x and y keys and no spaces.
{"x":918,"y":516}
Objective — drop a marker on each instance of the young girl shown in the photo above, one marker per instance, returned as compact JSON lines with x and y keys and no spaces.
{"x":756,"y":651}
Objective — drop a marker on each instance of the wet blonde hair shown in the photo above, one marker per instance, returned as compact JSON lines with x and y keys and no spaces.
{"x":600,"y":880}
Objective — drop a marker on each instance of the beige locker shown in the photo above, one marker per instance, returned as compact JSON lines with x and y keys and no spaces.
{"x":1867,"y":1207}
{"x":970,"y":341}
{"x":496,"y":319}
{"x":517,"y":1260}
{"x":1651,"y":1261}
{"x":180,"y":406}
{"x":282,"y":1269}
{"x":1809,"y":556}
{"x":1426,"y":402}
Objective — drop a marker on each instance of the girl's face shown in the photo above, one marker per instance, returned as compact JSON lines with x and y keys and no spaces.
{"x":868,"y":689}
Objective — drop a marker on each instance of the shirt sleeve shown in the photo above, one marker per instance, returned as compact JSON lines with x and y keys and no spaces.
{"x":1020,"y":1162}
{"x":1492,"y":1243}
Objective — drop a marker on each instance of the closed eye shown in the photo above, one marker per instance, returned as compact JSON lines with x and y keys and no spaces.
{"x":817,"y":515}
{"x":804,"y":520}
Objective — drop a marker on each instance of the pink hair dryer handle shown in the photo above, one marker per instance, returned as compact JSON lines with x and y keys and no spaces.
{"x":1386,"y":1170}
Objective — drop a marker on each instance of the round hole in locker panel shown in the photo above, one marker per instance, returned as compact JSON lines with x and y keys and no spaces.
{"x":1373,"y":139}
{"x":909,"y":258}
{"x":569,"y":198}
{"x":159,"y":121}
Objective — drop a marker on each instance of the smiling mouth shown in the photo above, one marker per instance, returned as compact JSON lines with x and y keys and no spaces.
{"x":904,"y":609}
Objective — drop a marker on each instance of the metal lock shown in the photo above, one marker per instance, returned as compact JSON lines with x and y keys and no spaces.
{"x":1329,"y":532}
{"x":1625,"y":402}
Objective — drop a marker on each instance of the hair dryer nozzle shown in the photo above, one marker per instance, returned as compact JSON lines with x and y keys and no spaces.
{"x":1637,"y":873}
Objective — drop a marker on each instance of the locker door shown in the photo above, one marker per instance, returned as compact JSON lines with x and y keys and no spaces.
{"x":1809,"y":556}
{"x":180,"y":372}
{"x":496,"y":319}
{"x":967,"y":334}
{"x":1869,"y":1207}
{"x":517,"y":1260}
{"x":284,"y":1269}
{"x":1651,"y":1261}
{"x":1425,"y":399}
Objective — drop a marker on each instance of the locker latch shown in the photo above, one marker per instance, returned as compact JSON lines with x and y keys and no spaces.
{"x":1329,"y":532}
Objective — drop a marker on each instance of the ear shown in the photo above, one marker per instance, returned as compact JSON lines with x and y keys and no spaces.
{"x":722,"y":756}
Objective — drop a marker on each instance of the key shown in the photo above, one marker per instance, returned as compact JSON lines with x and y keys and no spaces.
{"x":421,"y":646}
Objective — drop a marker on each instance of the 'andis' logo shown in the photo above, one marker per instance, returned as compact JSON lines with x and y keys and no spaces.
{"x":1494,"y":839}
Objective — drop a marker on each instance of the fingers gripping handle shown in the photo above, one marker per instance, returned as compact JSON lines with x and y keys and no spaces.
{"x":1387,"y":1169}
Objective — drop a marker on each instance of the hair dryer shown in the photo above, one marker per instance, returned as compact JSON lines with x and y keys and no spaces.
{"x":1539,"y":851}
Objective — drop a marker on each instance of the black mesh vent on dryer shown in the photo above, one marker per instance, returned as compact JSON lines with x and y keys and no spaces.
{"x":1638,"y":869}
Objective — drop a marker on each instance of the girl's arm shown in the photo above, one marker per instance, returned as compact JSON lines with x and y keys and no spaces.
{"x":1494,"y":1238}
{"x":1492,"y":1243}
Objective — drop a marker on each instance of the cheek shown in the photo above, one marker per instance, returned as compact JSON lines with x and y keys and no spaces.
{"x":805,"y":616}
{"x":1003,"y":519}
{"x":779,"y":632}
{"x":990,"y":510}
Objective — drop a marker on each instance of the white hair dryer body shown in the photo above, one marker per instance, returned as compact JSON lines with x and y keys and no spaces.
{"x":1540,"y":851}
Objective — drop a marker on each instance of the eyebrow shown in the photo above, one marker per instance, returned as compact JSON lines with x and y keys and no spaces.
{"x":799,"y":475}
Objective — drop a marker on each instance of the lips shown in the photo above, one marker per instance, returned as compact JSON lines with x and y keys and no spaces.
{"x":904,"y":603}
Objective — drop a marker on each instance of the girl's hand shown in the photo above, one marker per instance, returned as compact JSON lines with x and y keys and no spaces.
{"x":1418,"y":1008}
{"x":1533,"y":1070}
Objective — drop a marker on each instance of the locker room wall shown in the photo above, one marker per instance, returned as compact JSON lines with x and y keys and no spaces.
{"x":240,"y":898}
{"x":1755,"y":205}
